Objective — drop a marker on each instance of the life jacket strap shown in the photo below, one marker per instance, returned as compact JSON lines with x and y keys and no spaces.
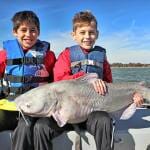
{"x":25,"y":79}
{"x":17,"y":90}
{"x":86,"y":62}
{"x":25,"y":60}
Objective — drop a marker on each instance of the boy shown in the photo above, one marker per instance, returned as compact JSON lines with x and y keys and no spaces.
{"x":74,"y":62}
{"x":82,"y":58}
{"x":25,"y":63}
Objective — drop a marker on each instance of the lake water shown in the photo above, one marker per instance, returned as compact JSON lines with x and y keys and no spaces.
{"x":131,"y":74}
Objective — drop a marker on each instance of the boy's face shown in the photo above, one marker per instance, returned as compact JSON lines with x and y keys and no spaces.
{"x":86,"y":36}
{"x":27,"y":35}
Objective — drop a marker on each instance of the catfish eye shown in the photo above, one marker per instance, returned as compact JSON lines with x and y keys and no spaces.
{"x":28,"y":105}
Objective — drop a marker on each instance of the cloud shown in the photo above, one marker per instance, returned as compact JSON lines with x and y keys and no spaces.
{"x":60,"y":40}
{"x":124,"y":47}
{"x":128,"y":56}
{"x":127,"y":46}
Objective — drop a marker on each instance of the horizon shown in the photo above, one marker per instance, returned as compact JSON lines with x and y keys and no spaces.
{"x":131,"y":63}
{"x":123,"y":25}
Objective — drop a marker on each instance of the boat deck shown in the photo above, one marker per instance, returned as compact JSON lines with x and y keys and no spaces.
{"x":132,"y":134}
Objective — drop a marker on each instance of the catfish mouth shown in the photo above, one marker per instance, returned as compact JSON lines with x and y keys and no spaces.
{"x":31,"y":109}
{"x":29,"y":114}
{"x":43,"y":112}
{"x":24,"y":115}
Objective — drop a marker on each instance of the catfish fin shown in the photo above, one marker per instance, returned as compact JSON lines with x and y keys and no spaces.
{"x":59,"y":119}
{"x":88,"y":77}
{"x":128,"y":112}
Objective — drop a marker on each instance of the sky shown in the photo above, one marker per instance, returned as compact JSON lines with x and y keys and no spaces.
{"x":124,"y":25}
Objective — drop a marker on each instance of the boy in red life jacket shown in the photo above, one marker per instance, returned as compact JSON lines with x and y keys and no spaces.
{"x":25,"y":63}
{"x":74,"y":62}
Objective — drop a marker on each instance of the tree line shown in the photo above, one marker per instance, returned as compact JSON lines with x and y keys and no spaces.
{"x":129,"y":65}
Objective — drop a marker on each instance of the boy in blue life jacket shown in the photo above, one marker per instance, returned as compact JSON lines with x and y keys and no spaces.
{"x":74,"y":62}
{"x":25,"y":63}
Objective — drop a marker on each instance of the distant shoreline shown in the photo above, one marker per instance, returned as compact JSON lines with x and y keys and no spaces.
{"x":130,"y":67}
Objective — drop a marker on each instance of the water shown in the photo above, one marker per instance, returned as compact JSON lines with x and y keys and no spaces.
{"x":131,"y":74}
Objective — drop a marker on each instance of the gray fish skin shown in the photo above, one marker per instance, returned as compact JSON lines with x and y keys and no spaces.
{"x":73,"y":100}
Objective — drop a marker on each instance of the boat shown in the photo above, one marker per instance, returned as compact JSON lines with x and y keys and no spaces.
{"x":131,"y":134}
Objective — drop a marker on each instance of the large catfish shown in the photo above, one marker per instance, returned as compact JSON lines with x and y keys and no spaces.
{"x":73,"y":100}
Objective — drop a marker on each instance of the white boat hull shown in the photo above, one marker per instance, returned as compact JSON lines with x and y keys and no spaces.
{"x":132,"y":134}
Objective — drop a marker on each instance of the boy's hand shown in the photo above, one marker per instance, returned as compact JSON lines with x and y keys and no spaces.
{"x":99,"y":86}
{"x":138,"y":99}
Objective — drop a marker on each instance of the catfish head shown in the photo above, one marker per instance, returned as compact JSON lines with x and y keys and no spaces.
{"x":38,"y":101}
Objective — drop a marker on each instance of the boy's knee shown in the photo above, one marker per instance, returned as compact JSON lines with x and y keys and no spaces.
{"x":41,"y":125}
{"x":38,"y":127}
{"x":101,"y":116}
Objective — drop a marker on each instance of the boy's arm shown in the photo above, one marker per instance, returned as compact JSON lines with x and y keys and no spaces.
{"x":107,"y":74}
{"x":49,"y":62}
{"x":62,"y":68}
{"x":99,"y":84}
{"x":2,"y":62}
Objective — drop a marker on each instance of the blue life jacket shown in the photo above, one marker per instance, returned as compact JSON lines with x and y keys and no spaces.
{"x":91,"y":62}
{"x":24,"y":71}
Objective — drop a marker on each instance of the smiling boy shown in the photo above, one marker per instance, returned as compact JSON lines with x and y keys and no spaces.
{"x":73,"y":62}
{"x":25,"y":63}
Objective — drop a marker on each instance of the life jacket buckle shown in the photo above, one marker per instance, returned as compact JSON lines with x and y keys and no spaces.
{"x":91,"y":62}
{"x":27,"y":79}
{"x":28,"y":60}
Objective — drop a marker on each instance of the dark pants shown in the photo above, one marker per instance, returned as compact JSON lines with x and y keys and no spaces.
{"x":8,"y":120}
{"x":99,"y":124}
{"x":22,"y":137}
